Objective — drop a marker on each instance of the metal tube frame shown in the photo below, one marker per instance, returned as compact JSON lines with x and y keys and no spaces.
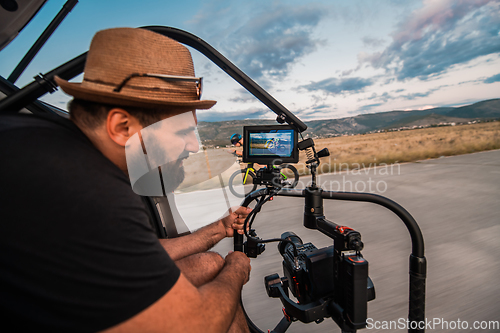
{"x":417,"y":262}
{"x":68,"y":6}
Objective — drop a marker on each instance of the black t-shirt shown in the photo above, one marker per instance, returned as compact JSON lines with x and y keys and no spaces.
{"x":77,"y":252}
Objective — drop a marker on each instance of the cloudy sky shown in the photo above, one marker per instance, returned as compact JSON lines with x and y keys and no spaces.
{"x":320,"y":59}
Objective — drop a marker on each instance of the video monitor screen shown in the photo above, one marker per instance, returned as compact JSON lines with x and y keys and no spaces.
{"x":263,"y":144}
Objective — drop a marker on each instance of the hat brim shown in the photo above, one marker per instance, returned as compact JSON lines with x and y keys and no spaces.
{"x":110,"y":97}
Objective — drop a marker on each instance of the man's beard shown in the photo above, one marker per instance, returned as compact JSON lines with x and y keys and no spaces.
{"x":173,"y":175}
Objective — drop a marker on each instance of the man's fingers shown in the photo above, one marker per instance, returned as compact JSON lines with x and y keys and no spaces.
{"x":241,"y":210}
{"x":239,"y":222}
{"x":238,"y":226}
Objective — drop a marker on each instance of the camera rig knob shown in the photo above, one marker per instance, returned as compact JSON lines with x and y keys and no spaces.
{"x":252,"y":247}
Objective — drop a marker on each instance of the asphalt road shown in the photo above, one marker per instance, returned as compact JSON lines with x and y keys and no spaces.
{"x":455,"y":201}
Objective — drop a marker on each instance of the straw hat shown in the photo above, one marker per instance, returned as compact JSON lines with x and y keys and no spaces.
{"x":139,"y":68}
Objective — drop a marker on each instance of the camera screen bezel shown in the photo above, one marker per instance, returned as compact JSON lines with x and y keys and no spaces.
{"x":247,"y":158}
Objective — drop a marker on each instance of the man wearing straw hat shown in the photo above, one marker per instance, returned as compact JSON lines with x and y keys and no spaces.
{"x":80,"y":254}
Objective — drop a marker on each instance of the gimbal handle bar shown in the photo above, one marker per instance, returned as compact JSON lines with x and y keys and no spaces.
{"x":237,"y":238}
{"x":418,"y":264}
{"x":412,"y":226}
{"x":45,"y":82}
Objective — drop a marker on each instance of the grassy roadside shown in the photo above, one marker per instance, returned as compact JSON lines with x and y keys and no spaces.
{"x":359,"y":151}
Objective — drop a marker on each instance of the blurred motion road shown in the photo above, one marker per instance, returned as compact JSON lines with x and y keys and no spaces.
{"x":455,"y":201}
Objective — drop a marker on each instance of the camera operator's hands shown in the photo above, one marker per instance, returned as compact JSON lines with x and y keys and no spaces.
{"x":235,"y":220}
{"x":241,"y":264}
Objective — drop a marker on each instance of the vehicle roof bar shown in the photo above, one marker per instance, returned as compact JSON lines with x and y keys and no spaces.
{"x":35,"y":107}
{"x":68,"y":6}
{"x":43,"y":84}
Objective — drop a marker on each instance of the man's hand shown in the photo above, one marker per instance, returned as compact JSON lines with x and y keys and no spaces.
{"x":241,"y":262}
{"x":205,"y":238}
{"x":235,"y":220}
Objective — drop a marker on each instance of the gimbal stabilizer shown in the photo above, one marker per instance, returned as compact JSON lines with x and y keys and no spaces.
{"x":330,"y":282}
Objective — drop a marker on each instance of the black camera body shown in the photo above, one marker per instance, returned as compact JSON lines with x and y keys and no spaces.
{"x":336,"y":275}
{"x":312,"y":278}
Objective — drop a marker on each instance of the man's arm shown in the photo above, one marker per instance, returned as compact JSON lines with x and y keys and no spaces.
{"x":205,"y":238}
{"x":185,"y":308}
{"x":199,"y":241}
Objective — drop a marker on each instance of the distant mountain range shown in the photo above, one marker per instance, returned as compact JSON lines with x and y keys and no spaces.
{"x":218,"y":133}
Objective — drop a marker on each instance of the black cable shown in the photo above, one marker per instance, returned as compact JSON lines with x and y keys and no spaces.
{"x":251,"y":222}
{"x":252,"y":215}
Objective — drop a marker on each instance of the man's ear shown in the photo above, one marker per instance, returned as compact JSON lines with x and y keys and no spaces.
{"x":120,"y":126}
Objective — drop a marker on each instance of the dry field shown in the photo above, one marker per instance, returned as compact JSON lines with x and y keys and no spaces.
{"x":361,"y":151}
{"x":358,"y":151}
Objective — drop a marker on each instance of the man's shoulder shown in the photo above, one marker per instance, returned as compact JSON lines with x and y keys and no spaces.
{"x":43,"y":147}
{"x":30,"y":121}
{"x":30,"y":126}
{"x":49,"y":161}
{"x":40,"y":135}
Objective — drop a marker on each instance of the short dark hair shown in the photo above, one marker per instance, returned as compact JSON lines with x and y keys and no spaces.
{"x":92,"y":114}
